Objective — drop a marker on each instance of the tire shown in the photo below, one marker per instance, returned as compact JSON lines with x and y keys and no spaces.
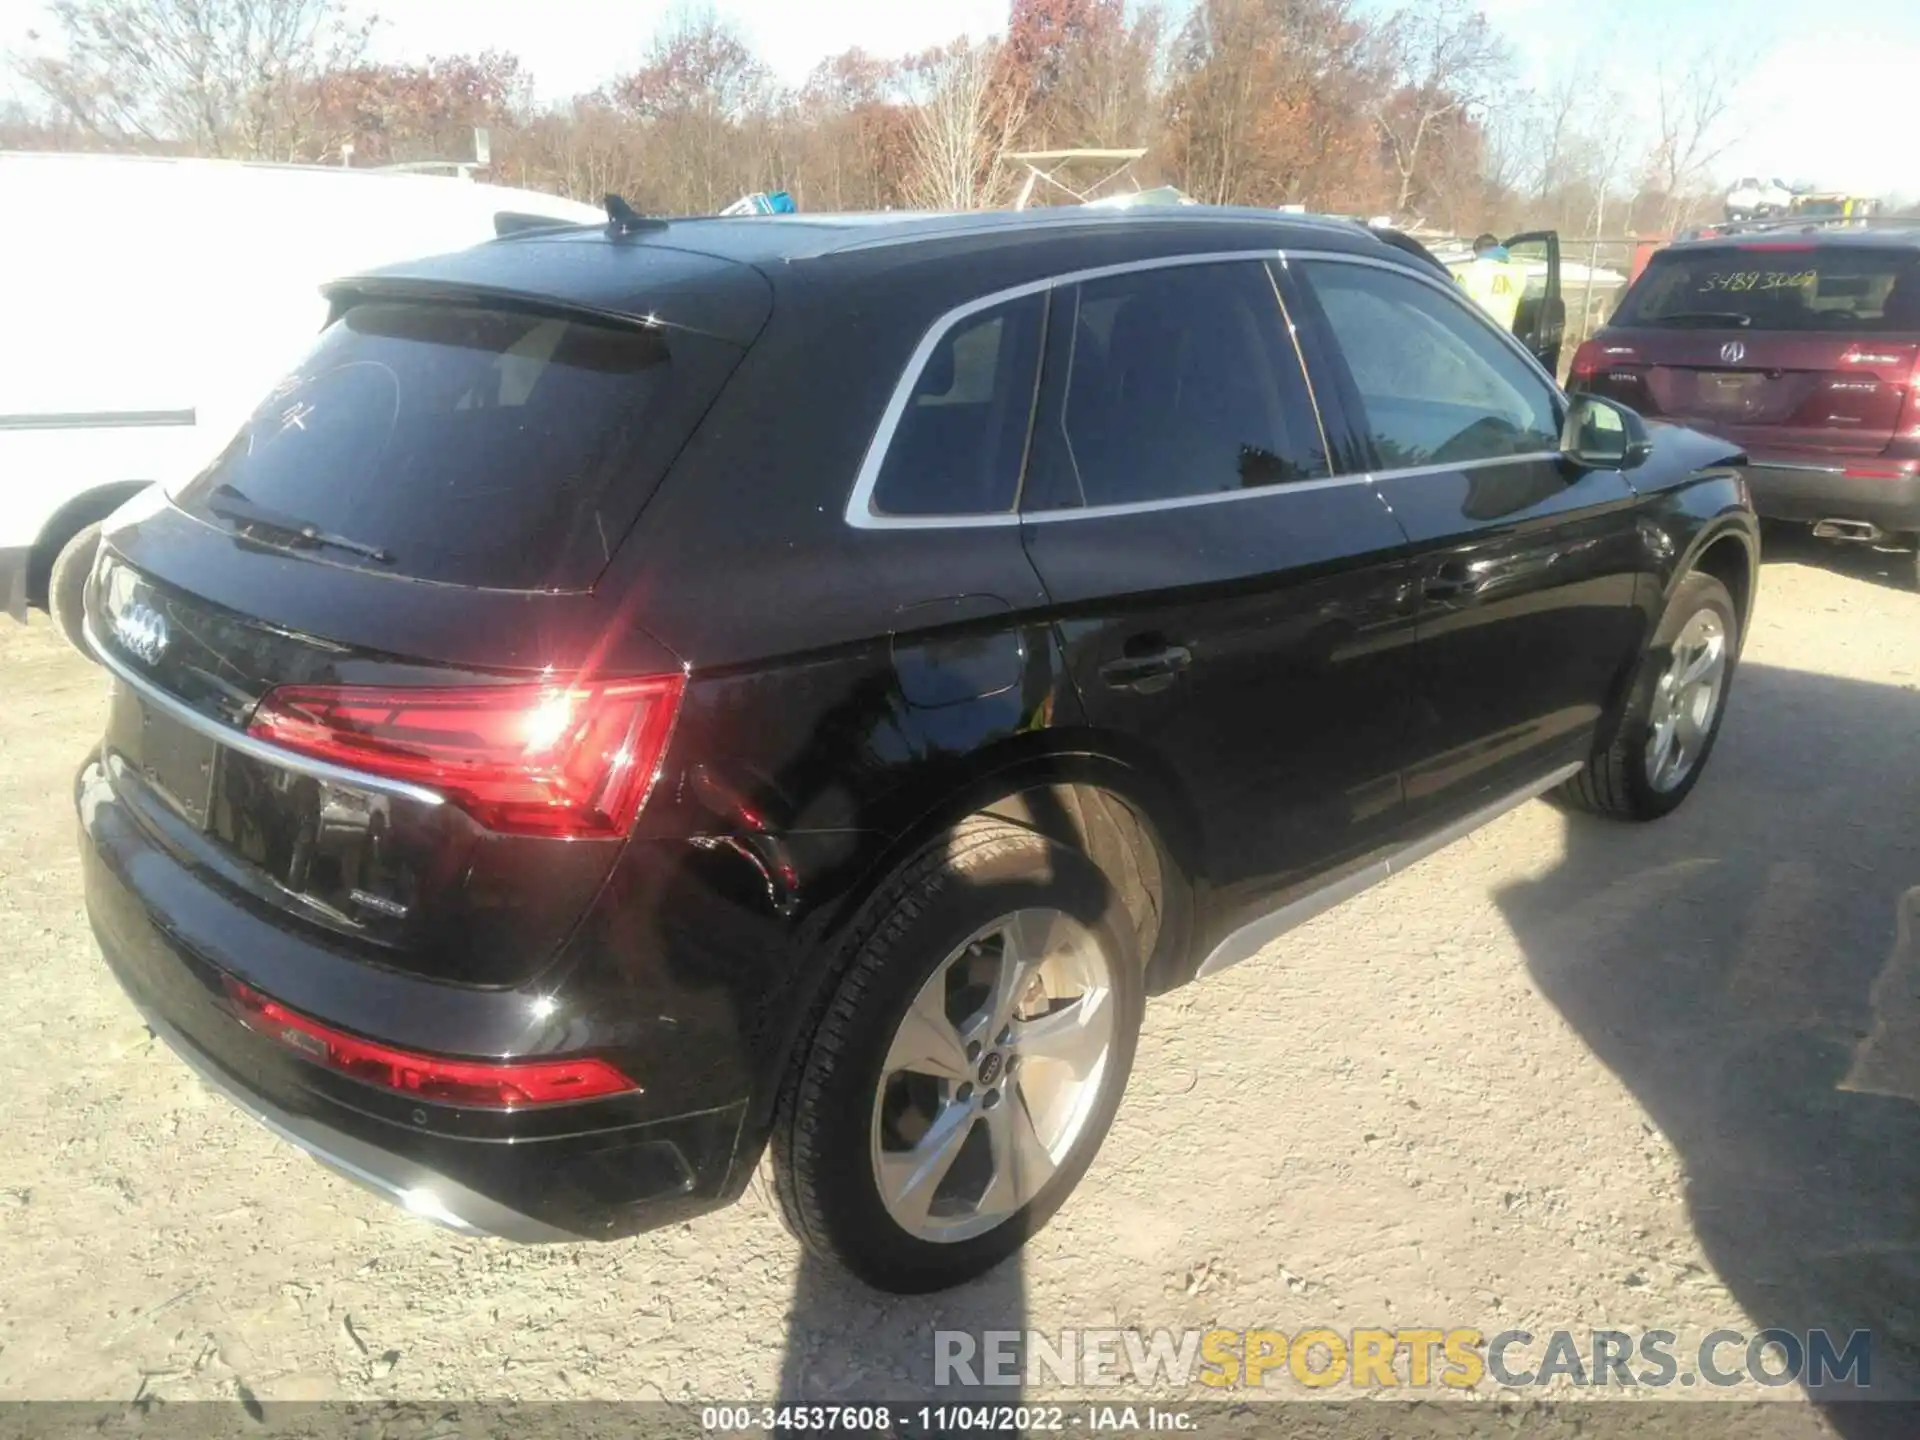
{"x":1624,"y":781}
{"x":67,"y":585}
{"x":924,"y":941}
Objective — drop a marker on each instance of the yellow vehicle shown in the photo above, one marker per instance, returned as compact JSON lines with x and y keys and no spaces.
{"x":1832,"y":205}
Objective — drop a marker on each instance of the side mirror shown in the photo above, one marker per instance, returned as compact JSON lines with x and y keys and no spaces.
{"x":1600,"y":435}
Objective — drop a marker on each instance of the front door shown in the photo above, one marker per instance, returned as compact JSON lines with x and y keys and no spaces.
{"x":1527,"y":565}
{"x":1228,"y":604}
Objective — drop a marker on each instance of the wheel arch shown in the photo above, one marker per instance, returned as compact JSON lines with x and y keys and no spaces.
{"x":1081,"y":786}
{"x":69,"y":520}
{"x":1724,"y":545}
{"x":1731,"y":555}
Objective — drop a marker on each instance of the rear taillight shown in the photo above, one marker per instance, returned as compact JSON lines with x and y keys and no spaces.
{"x":1586,"y":363}
{"x":567,"y":761}
{"x":508,"y":1086}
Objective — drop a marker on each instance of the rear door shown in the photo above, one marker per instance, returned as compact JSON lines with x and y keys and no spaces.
{"x":1527,"y":568}
{"x":1775,"y":345}
{"x":1540,"y":323}
{"x":1229,"y":604}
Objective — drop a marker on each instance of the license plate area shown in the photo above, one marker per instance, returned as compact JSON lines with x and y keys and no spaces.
{"x":1735,"y":390}
{"x":175,"y":760}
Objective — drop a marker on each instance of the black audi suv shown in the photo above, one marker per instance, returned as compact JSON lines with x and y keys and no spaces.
{"x":637,"y":697}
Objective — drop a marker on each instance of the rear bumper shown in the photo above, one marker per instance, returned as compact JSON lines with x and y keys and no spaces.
{"x":594,"y":1171}
{"x":1810,"y":493}
{"x":413,"y":1187}
{"x":14,"y":563}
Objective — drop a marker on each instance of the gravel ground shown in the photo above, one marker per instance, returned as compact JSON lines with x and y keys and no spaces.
{"x":1562,"y":1074}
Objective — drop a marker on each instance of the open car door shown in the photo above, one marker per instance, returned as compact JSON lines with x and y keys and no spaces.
{"x":1541,"y":320}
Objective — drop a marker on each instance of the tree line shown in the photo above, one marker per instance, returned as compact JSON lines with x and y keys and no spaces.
{"x":1417,"y":113}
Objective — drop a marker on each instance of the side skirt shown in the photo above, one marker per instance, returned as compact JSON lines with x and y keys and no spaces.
{"x":1257,"y":934}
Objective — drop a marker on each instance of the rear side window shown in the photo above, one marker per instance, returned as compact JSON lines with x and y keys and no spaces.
{"x":489,"y":447}
{"x":1440,"y":387}
{"x":958,"y":444}
{"x":1171,"y":383}
{"x":1768,"y":287}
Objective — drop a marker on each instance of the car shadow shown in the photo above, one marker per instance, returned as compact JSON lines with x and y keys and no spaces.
{"x":1890,"y":565}
{"x":1747,"y":968}
{"x":844,"y":1341}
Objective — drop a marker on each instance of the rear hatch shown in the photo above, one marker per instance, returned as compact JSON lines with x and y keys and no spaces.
{"x":1780,"y":346}
{"x":366,"y":680}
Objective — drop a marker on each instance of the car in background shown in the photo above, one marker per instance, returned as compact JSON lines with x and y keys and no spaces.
{"x":1834,"y":205}
{"x":149,"y":303}
{"x":1800,"y":346}
{"x":1755,"y":199}
{"x":641,"y":696}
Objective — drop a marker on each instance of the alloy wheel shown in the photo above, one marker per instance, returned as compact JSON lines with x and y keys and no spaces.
{"x":1685,"y":701}
{"x":992,"y":1075}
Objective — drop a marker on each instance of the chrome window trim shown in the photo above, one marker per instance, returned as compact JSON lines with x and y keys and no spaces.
{"x":860,"y":511}
{"x":246,"y":744}
{"x":1183,"y":502}
{"x":1456,"y":467}
{"x":861,"y":515}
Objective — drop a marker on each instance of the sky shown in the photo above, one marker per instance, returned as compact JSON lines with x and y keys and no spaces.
{"x":1824,"y":91}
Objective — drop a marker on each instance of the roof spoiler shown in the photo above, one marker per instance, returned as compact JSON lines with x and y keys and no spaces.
{"x":1400,"y":240}
{"x":515,"y":222}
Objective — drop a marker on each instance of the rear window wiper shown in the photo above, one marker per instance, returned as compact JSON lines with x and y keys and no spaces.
{"x":1706,"y":317}
{"x":232,"y":504}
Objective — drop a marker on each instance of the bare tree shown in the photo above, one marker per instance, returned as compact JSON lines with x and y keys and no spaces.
{"x":1613,"y":134}
{"x":1694,"y":110}
{"x":701,"y":104}
{"x":219,"y":76}
{"x":1267,"y":105}
{"x":1085,"y":68}
{"x":1446,"y":62}
{"x":964,"y":116}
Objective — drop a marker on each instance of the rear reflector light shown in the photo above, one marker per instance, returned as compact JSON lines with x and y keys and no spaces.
{"x":1908,"y":425}
{"x":1877,"y":472}
{"x":567,"y":761}
{"x":1586,"y":361}
{"x":451,"y":1082}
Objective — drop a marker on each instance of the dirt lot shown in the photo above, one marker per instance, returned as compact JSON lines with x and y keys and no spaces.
{"x":1561,"y":1074}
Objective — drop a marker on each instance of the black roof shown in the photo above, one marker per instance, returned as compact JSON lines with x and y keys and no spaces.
{"x":735,"y":262}
{"x":1852,"y":237}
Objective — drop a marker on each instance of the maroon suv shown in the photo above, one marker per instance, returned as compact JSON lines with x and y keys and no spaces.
{"x":1803,"y":348}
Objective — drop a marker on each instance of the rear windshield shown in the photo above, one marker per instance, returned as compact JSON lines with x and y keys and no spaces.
{"x":489,"y":447}
{"x":1765,"y":287}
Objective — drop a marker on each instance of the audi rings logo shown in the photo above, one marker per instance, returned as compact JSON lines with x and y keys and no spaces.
{"x":1733,"y":352}
{"x":142,"y":632}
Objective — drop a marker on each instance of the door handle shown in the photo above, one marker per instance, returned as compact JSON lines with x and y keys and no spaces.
{"x":1146,"y":674}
